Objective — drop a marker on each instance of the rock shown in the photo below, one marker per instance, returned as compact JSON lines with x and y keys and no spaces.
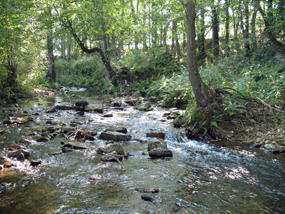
{"x":35,"y":163}
{"x":147,"y":198}
{"x":67,"y":129}
{"x":14,"y":147}
{"x":59,"y":107}
{"x":93,"y":108}
{"x":81,"y":104}
{"x":255,"y":145}
{"x":131,"y":102}
{"x":85,"y":135}
{"x":108,"y":115}
{"x":41,"y":139}
{"x":145,"y":107}
{"x":81,"y":113}
{"x":8,"y":164}
{"x":109,"y":157}
{"x":21,"y":157}
{"x":160,"y":153}
{"x":142,"y":190}
{"x":7,"y":122}
{"x":66,"y":149}
{"x":156,"y":135}
{"x":71,"y":146}
{"x":114,"y":136}
{"x":158,"y":149}
{"x":19,"y":153}
{"x":156,"y":145}
{"x":116,"y":103}
{"x":111,"y":148}
{"x":121,"y":130}
{"x":89,"y":137}
{"x":2,"y":160}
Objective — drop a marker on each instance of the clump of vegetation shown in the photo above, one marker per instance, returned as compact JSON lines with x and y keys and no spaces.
{"x":87,"y":71}
{"x":150,"y":64}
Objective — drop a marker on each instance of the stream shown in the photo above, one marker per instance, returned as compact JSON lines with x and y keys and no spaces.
{"x":199,"y":178}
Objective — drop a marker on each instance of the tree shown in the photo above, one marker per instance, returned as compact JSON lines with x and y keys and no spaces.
{"x":202,"y":93}
{"x":270,"y":21}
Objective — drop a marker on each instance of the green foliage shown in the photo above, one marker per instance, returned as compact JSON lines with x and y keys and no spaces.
{"x":84,"y":72}
{"x":151,"y":64}
{"x":175,"y":91}
{"x":261,"y":76}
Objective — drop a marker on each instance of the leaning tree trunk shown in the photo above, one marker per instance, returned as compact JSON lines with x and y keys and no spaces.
{"x":105,"y":59}
{"x":268,"y":21}
{"x":202,"y":93}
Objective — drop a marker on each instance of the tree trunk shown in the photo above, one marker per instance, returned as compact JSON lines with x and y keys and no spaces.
{"x":253,"y":33}
{"x":201,"y":36}
{"x":268,"y":25}
{"x":215,"y":27}
{"x":173,"y":37}
{"x":227,"y":26}
{"x":202,"y":93}
{"x":105,"y":59}
{"x":51,"y":68}
{"x":165,"y":37}
{"x":63,"y":55}
{"x":12,"y":75}
{"x":246,"y":32}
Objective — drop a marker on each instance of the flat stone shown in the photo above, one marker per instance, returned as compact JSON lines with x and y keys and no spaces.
{"x":120,"y":129}
{"x":160,"y":153}
{"x":71,"y":146}
{"x":112,"y":157}
{"x":114,"y":136}
{"x":111,"y":148}
{"x":108,"y":115}
{"x":156,"y":135}
{"x":147,"y":198}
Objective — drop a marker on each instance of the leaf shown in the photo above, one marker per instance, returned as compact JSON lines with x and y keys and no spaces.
{"x":214,"y":123}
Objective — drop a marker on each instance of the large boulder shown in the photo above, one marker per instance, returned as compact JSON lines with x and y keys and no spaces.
{"x":158,"y":149}
{"x":160,"y":153}
{"x":111,"y":152}
{"x":114,"y":136}
{"x":156,"y":145}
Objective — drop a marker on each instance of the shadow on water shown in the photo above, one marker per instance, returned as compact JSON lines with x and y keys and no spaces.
{"x":200,"y":178}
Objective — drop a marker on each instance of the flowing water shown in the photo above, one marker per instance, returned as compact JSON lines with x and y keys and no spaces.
{"x":200,"y":178}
